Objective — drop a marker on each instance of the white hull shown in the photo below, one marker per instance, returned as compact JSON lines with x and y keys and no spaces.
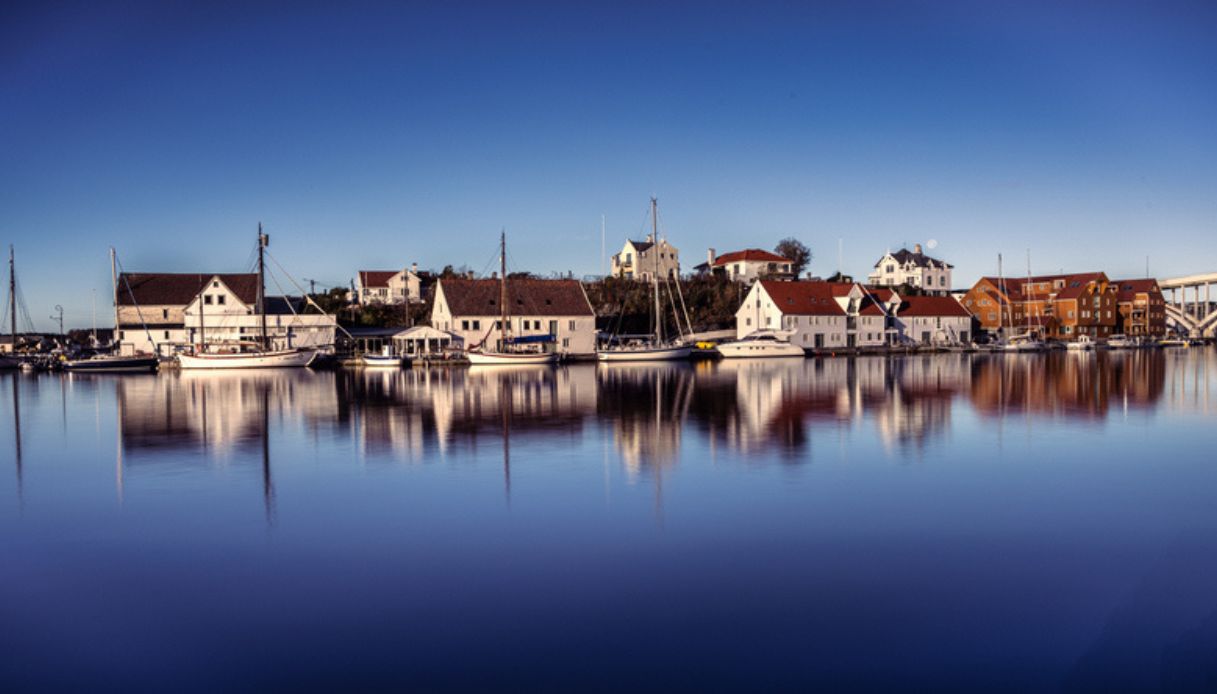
{"x":1079,"y":347}
{"x":751,"y":349}
{"x":507,"y":358}
{"x":644,"y":354}
{"x":251,"y":360}
{"x":380,"y":361}
{"x":1024,"y":347}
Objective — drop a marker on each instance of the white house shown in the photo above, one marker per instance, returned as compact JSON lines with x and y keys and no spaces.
{"x":868,"y":312}
{"x":932,"y":320}
{"x":747,"y":265}
{"x":470,"y":311}
{"x":808,"y":309}
{"x":641,"y":260}
{"x":165,"y":312}
{"x":388,"y":286}
{"x":914,"y":269}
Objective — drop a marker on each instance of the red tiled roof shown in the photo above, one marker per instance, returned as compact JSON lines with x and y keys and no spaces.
{"x":526,"y":297}
{"x":754,"y":254}
{"x":179,"y":289}
{"x":1127,"y":290}
{"x":932,"y":306}
{"x":804,"y":298}
{"x":376,"y":278}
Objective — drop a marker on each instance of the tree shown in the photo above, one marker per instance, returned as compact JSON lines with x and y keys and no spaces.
{"x":794,"y":251}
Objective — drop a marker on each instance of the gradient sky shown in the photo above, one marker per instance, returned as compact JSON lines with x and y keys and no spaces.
{"x":377,"y":135}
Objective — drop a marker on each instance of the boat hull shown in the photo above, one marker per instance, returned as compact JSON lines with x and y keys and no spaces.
{"x":644,"y":354}
{"x":752,"y":350}
{"x":380,"y":361}
{"x":255,"y":360}
{"x":506,"y":359}
{"x":113,"y":365}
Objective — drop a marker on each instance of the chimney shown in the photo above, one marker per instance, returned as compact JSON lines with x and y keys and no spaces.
{"x":917,"y":248}
{"x":414,"y":268}
{"x":710,"y":257}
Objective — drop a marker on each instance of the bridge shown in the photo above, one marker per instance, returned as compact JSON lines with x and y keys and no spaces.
{"x":1192,"y":315}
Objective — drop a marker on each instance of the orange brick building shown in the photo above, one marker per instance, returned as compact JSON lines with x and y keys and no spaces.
{"x":1058,"y":307}
{"x":1141,"y":307}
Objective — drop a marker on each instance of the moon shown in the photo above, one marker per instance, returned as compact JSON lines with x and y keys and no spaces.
{"x":931,"y":244}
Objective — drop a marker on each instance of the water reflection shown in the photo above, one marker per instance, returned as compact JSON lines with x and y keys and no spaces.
{"x":749,"y":407}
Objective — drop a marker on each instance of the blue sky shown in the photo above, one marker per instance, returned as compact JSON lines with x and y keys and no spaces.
{"x":377,"y":135}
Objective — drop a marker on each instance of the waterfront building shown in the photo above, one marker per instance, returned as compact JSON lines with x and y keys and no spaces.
{"x":163,"y":313}
{"x":641,"y":260}
{"x":557,"y":310}
{"x":1141,"y":308}
{"x":809,"y":310}
{"x":1059,"y":307}
{"x":747,"y":265}
{"x":389,"y":286}
{"x":914,"y":269}
{"x":867,"y":313}
{"x":928,"y":320}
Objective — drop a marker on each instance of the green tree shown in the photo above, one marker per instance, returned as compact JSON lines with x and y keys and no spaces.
{"x":798,"y":254}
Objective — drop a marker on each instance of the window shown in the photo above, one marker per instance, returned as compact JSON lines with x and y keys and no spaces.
{"x":207,"y":299}
{"x":166,"y":334}
{"x":165,"y":313}
{"x":215,"y":284}
{"x":477,"y":325}
{"x":566,"y":343}
{"x":992,"y":316}
{"x":464,"y":325}
{"x":748,"y":321}
{"x":221,"y":299}
{"x":571,"y":327}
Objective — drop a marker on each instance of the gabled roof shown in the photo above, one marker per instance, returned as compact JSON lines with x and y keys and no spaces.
{"x":1075,"y":284}
{"x":179,"y":289}
{"x":753,"y":254}
{"x":376,"y":278}
{"x":804,"y":298}
{"x":932,"y":306}
{"x":904,"y":255}
{"x":526,"y":297}
{"x":1127,"y":290}
{"x":641,"y":245}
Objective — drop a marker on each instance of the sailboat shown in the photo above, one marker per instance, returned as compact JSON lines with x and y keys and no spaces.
{"x":483,"y":356}
{"x":11,"y":362}
{"x":656,"y":349}
{"x":115,"y":362}
{"x":247,"y":355}
{"x":1027,"y":341}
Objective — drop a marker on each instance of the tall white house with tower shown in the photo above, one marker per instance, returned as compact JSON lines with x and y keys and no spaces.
{"x":913,"y":268}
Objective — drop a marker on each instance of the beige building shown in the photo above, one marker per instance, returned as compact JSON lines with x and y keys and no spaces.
{"x":555,"y":312}
{"x":388,"y":286}
{"x":912,"y":268}
{"x":162,"y":313}
{"x":641,"y":260}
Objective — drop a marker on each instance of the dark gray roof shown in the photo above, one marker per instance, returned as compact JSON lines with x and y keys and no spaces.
{"x":904,"y":255}
{"x":642,"y":245}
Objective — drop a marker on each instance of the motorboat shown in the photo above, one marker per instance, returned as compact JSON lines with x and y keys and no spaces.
{"x":113,"y":363}
{"x":1121,"y":342}
{"x":481,"y":358}
{"x":1084,"y":343}
{"x":1024,"y":343}
{"x":762,"y":343}
{"x":385,"y":359}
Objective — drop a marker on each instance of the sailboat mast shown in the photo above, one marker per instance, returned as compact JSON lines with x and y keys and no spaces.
{"x":202,"y":337}
{"x":263,"y":241}
{"x":1001,"y":280}
{"x":12,"y":296}
{"x":503,"y":316}
{"x":114,"y":283}
{"x":655,"y":265}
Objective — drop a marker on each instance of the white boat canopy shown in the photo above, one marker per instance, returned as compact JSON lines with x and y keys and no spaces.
{"x":423,"y":339}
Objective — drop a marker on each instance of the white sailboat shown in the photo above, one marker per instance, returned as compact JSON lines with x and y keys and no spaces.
{"x":503,"y":356}
{"x":248,"y":355}
{"x":655,"y":349}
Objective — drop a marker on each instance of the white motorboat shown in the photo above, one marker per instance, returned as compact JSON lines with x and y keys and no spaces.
{"x":1084,"y":343}
{"x":258,"y":359}
{"x":762,"y":343}
{"x":1121,"y":342}
{"x":1024,"y":343}
{"x":386,"y":359}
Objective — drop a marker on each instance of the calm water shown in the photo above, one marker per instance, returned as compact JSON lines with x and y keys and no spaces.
{"x":1024,"y":522}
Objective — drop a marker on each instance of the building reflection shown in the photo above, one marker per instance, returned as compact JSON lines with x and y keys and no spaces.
{"x":759,"y":410}
{"x":1081,"y":385}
